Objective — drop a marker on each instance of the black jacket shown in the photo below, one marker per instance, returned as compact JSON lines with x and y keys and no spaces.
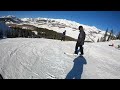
{"x":81,"y":37}
{"x":64,"y":33}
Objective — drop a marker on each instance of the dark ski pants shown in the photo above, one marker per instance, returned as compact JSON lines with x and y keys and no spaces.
{"x":76,"y":48}
{"x":63,"y":38}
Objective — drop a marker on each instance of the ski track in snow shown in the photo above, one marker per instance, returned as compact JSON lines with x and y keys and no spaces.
{"x":45,"y":59}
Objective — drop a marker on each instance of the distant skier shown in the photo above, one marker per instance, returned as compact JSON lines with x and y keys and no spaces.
{"x":80,"y":41}
{"x":63,"y":36}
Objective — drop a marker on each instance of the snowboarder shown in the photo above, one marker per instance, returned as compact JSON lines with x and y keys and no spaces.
{"x":80,"y":41}
{"x":63,"y":36}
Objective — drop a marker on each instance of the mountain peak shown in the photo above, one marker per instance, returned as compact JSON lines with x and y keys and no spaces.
{"x":9,"y":16}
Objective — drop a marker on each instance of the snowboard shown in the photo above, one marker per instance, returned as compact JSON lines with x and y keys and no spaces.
{"x":72,"y":54}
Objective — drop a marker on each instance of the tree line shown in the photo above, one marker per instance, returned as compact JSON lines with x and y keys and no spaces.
{"x":109,"y":35}
{"x":27,"y":33}
{"x":50,"y":34}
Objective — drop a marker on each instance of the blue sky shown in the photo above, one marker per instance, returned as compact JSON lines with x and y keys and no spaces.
{"x":99,"y":19}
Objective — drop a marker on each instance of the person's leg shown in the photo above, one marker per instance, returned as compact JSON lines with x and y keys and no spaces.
{"x":81,"y":49}
{"x":76,"y":48}
{"x":61,"y":38}
{"x":64,"y":38}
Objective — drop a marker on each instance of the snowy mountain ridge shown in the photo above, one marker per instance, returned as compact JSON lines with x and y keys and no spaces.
{"x":10,"y":19}
{"x":59,"y":25}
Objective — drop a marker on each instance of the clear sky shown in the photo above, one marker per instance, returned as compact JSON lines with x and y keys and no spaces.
{"x":99,"y":19}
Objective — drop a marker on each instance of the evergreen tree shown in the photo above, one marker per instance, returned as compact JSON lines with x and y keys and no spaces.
{"x":98,"y":40}
{"x":110,"y":36}
{"x":104,"y":39}
{"x":1,"y":33}
{"x":118,"y":35}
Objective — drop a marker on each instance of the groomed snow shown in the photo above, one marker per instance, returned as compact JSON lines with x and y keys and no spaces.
{"x":39,"y":58}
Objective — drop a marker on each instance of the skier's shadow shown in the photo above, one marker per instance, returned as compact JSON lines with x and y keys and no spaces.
{"x":77,"y":69}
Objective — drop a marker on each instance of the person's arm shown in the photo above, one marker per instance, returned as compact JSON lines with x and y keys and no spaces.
{"x":84,"y":35}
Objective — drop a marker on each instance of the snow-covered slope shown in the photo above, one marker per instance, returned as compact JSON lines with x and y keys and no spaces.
{"x":59,"y":25}
{"x":25,"y":58}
